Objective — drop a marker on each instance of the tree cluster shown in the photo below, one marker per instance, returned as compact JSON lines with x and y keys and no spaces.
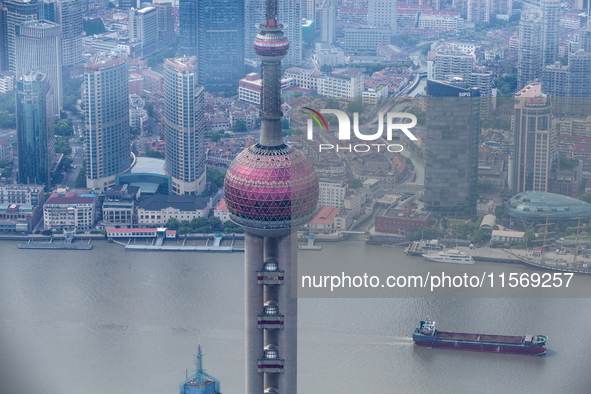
{"x":7,"y":109}
{"x":197,"y":225}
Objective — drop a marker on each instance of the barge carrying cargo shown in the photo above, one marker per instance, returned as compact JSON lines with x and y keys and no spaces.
{"x":427,"y":335}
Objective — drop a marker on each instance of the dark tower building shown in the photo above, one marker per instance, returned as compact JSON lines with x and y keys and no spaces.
{"x":451,"y":148}
{"x":34,"y":124}
{"x":188,"y":27}
{"x":270,"y":190}
{"x":220,"y":50}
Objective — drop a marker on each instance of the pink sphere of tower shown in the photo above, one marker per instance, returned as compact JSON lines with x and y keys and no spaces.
{"x":271,"y":189}
{"x":271,"y":44}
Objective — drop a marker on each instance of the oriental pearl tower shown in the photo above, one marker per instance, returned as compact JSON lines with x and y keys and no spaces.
{"x":271,"y":191}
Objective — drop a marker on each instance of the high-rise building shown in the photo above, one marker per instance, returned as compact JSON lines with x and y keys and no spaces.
{"x":143,"y":27}
{"x":449,"y":64}
{"x":106,"y":103}
{"x":184,"y":125}
{"x":3,"y":39}
{"x":327,"y":21}
{"x":39,"y":47}
{"x":451,"y":148}
{"x":270,"y":190}
{"x":533,"y":132}
{"x":200,"y":382}
{"x":501,"y":7}
{"x":484,"y":82}
{"x":382,"y":13}
{"x":460,"y":6}
{"x":291,"y":15}
{"x":569,"y":86}
{"x":530,"y":47}
{"x":220,"y":44}
{"x":69,"y":16}
{"x":165,"y":24}
{"x":129,"y":4}
{"x":309,"y":9}
{"x":550,"y":30}
{"x":479,"y":10}
{"x":188,"y":27}
{"x":35,"y":131}
{"x":17,"y":12}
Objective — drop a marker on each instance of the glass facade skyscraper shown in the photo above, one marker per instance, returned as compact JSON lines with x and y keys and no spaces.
{"x":188,"y":27}
{"x":35,"y":131}
{"x":220,"y":40}
{"x":451,"y":148}
{"x":39,"y":47}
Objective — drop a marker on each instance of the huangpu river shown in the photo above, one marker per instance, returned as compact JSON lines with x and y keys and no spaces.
{"x":115,"y":321}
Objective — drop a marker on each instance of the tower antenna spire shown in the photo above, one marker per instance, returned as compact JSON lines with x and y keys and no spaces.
{"x":271,"y":13}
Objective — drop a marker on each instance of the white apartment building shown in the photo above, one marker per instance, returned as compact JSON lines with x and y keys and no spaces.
{"x":331,"y":192}
{"x":305,"y":78}
{"x":372,"y":95}
{"x":365,"y":38}
{"x":143,"y":27}
{"x":333,"y":85}
{"x":70,"y":212}
{"x":432,"y":19}
{"x":156,"y":210}
{"x":6,"y":83}
{"x":329,"y":55}
{"x":382,"y":13}
{"x":249,"y":87}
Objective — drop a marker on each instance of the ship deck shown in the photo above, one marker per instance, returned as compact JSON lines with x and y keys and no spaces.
{"x":458,"y":336}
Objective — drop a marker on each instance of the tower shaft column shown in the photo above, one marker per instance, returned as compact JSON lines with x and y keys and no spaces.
{"x":253,"y":260}
{"x":288,"y":337}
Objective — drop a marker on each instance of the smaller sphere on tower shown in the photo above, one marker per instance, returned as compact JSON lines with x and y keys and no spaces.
{"x":271,"y":44}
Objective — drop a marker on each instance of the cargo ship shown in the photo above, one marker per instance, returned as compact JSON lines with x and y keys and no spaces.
{"x":427,"y":335}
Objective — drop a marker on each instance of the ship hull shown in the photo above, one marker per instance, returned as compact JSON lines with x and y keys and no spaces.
{"x":440,"y":260}
{"x":489,"y":347}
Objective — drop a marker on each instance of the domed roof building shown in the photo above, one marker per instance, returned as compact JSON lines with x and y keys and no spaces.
{"x":537,"y":205}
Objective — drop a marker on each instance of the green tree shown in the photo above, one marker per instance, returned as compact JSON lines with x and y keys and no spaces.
{"x":355,"y":183}
{"x":185,"y":230}
{"x":215,"y":223}
{"x":476,"y":236}
{"x":240,"y":126}
{"x":585,"y":197}
{"x":6,"y":172}
{"x":93,"y":26}
{"x":64,"y":127}
{"x":172,"y":224}
{"x":81,"y":178}
{"x":7,"y":120}
{"x":216,"y":136}
{"x":284,"y":124}
{"x":155,"y":153}
{"x":424,"y":232}
{"x":529,"y":236}
{"x":198,"y":222}
{"x":505,"y":193}
{"x":149,"y":106}
{"x":215,"y":177}
{"x":484,"y":185}
{"x":203,"y":229}
{"x":62,"y":145}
